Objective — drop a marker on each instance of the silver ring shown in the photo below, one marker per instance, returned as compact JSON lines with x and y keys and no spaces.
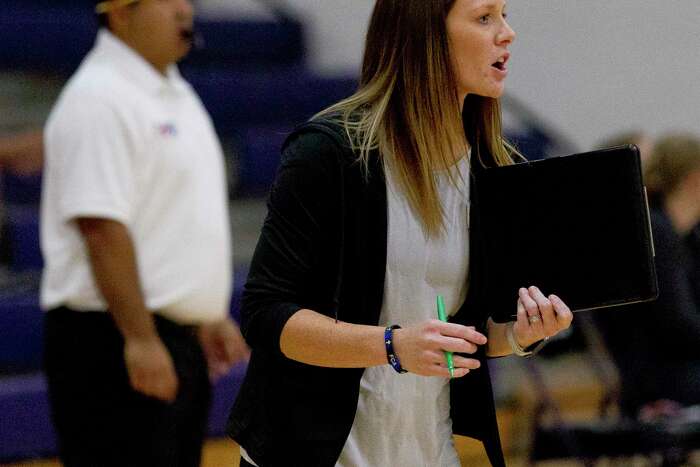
{"x":533,"y":319}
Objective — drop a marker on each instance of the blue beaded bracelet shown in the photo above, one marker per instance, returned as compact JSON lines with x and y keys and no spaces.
{"x":391,"y":356}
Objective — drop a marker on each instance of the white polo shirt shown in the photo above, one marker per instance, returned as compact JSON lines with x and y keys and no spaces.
{"x":129,"y":144}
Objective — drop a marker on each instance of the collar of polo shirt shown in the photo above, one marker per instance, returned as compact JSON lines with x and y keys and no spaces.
{"x":109,"y":5}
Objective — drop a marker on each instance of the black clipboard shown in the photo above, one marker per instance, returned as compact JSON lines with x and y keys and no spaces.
{"x":577,"y":226}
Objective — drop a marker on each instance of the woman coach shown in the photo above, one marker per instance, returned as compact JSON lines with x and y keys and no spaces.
{"x":370,"y":218}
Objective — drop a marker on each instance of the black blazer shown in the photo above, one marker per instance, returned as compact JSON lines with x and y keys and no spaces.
{"x":323,"y":247}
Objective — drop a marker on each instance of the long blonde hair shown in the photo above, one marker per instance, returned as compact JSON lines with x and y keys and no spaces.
{"x":408,"y":108}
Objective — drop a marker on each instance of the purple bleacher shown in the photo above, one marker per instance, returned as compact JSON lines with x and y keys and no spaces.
{"x":51,"y":36}
{"x":258,"y":109}
{"x":25,"y":424}
{"x":45,"y":37}
{"x":20,"y":189}
{"x":21,"y":321}
{"x":23,"y":232}
{"x":262,"y":97}
{"x":250,"y":43}
{"x":224,"y":393}
{"x":259,"y":157}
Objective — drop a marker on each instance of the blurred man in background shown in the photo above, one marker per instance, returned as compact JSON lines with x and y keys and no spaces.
{"x":136,"y":240}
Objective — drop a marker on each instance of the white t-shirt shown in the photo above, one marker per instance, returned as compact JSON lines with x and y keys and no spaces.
{"x":129,"y":144}
{"x":405,"y":419}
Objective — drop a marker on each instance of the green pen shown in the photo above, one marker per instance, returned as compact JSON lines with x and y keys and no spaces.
{"x":443,"y":317}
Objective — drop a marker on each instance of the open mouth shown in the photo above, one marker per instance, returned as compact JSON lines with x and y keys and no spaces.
{"x":500,"y":64}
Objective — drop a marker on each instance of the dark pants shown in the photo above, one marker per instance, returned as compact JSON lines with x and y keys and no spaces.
{"x":100,"y":420}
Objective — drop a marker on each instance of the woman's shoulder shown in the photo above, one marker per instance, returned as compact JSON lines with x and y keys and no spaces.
{"x":318,"y":138}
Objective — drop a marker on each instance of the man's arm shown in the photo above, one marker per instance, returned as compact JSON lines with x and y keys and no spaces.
{"x":113,"y":261}
{"x":223,"y":346}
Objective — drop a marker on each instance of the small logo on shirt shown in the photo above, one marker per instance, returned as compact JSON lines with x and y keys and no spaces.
{"x":167,"y":129}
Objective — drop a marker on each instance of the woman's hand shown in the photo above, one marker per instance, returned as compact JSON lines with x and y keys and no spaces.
{"x":421,"y":348}
{"x":539,"y":317}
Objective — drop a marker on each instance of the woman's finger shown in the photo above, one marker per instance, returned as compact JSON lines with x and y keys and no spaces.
{"x":444,"y":372}
{"x":533,"y":312}
{"x":462,"y":366}
{"x":468,"y":333}
{"x":563,"y":312}
{"x":549,"y":320}
{"x":527,"y":301}
{"x":458,"y":361}
{"x":464,"y":362}
{"x":521,"y":316}
{"x":454,"y":344}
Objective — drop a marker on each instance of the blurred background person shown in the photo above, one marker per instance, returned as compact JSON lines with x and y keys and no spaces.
{"x":136,"y":241}
{"x":655,"y":345}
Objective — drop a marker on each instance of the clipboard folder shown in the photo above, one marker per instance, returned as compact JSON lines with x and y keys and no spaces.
{"x":577,"y":226}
